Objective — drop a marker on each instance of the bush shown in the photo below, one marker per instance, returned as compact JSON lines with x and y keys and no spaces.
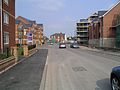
{"x":18,"y":45}
{"x":31,"y":47}
{"x":6,"y":53}
{"x":20,"y":51}
{"x":3,"y":56}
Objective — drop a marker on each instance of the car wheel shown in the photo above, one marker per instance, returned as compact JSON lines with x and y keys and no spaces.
{"x":115,"y":84}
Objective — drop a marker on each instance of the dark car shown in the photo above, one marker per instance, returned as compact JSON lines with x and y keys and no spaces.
{"x":74,"y":45}
{"x":62,"y":45}
{"x":115,"y":78}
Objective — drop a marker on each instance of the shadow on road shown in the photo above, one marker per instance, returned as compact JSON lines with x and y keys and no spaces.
{"x":103,"y":84}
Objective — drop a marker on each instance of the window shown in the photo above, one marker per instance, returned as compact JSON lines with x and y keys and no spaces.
{"x":6,"y":1}
{"x":6,"y":38}
{"x":6,"y":18}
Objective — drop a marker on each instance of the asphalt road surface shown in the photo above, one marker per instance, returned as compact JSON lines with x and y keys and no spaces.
{"x":78,"y":69}
{"x":67,"y":69}
{"x":26,"y":75}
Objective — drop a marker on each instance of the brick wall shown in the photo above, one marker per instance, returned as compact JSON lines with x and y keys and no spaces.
{"x":107,"y":27}
{"x":109,"y":21}
{"x":10,"y":28}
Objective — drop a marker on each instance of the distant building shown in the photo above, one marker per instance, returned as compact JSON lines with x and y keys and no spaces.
{"x":28,"y":31}
{"x":58,"y":37}
{"x":7,"y":24}
{"x":82,"y":31}
{"x":45,"y":39}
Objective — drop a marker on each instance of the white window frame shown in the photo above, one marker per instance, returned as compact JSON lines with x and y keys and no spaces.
{"x":6,"y":18}
{"x":6,"y":37}
{"x":6,"y":2}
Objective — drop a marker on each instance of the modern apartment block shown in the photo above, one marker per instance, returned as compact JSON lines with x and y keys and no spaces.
{"x":82,"y":31}
{"x":28,"y":32}
{"x":7,"y":24}
{"x":110,"y":27}
{"x":58,"y":37}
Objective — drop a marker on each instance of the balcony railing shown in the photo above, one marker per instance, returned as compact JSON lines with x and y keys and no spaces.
{"x":82,"y":35}
{"x":82,"y":30}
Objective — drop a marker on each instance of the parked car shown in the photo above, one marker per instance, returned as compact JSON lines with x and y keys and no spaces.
{"x":74,"y":45}
{"x":115,"y":78}
{"x":62,"y":45}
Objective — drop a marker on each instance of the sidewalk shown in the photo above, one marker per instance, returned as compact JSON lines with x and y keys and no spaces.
{"x":101,"y":51}
{"x":26,"y":75}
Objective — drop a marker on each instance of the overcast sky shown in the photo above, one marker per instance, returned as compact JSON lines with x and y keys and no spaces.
{"x":60,"y":15}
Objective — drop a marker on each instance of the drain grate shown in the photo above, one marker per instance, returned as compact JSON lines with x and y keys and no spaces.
{"x":79,"y":69}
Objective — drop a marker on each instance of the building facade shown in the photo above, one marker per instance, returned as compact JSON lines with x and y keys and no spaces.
{"x":82,"y":31}
{"x":58,"y":37}
{"x":7,"y":24}
{"x":109,"y":27}
{"x":28,"y":32}
{"x":94,"y":30}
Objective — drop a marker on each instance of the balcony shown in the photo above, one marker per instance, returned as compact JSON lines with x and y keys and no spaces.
{"x":82,"y":35}
{"x":82,"y":30}
{"x":82,"y":26}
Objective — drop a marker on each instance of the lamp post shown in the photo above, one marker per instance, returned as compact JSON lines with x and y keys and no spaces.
{"x":1,"y":27}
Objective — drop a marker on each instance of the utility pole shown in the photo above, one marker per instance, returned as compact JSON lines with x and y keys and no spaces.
{"x":1,"y":26}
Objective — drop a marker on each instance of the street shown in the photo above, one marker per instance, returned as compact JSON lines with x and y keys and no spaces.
{"x":78,"y":69}
{"x":66,"y":69}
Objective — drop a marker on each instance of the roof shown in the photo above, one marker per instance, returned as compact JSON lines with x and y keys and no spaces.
{"x":25,"y":20}
{"x":100,"y":13}
{"x":17,"y":21}
{"x":58,"y":34}
{"x":41,"y":25}
{"x":84,"y":20}
{"x":112,"y":8}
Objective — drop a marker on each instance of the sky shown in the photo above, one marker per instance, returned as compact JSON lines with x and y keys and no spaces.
{"x":60,"y":15}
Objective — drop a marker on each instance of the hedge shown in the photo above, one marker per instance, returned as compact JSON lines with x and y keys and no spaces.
{"x":31,"y":47}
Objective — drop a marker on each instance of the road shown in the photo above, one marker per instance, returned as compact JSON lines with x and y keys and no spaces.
{"x":78,"y":69}
{"x":65,"y":69}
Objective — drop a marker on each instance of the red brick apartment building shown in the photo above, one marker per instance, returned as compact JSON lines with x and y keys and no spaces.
{"x":7,"y":24}
{"x":109,"y":27}
{"x":94,"y":30}
{"x":58,"y":37}
{"x":104,"y":31}
{"x":28,"y":32}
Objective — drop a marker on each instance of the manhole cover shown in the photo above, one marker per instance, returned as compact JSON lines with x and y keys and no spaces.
{"x":78,"y":69}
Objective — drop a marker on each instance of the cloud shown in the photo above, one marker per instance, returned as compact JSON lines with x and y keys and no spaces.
{"x":48,"y":5}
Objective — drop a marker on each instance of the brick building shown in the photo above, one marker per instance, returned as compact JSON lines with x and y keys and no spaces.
{"x":7,"y":24}
{"x":109,"y":27}
{"x":94,"y":30}
{"x":28,"y":31}
{"x":58,"y":37}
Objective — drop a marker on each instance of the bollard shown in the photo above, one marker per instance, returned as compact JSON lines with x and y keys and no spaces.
{"x":15,"y":53}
